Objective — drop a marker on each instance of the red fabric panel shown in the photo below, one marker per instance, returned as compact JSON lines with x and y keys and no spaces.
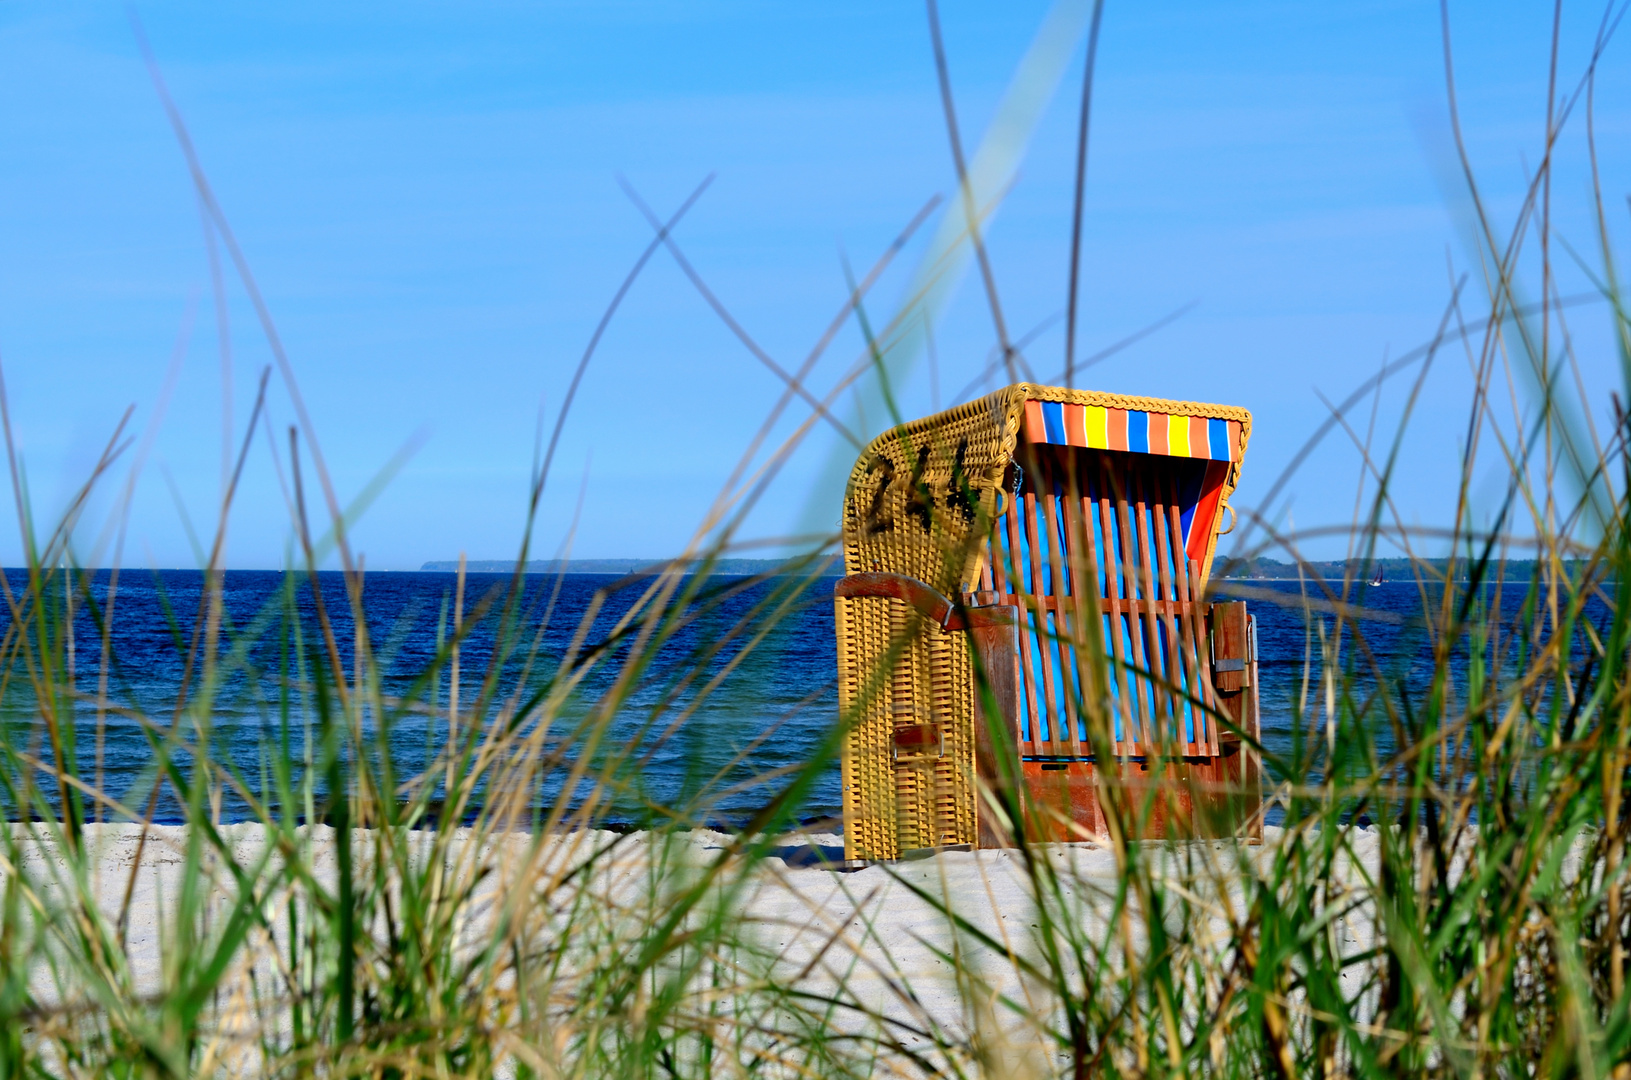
{"x":1206,"y":510}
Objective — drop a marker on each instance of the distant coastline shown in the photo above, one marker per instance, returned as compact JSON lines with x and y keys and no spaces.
{"x":1393,"y":569}
{"x":720,"y":567}
{"x":1260,"y":569}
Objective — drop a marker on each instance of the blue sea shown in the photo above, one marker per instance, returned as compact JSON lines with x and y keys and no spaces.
{"x":773,"y":706}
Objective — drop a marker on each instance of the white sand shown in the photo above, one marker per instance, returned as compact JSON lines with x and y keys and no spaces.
{"x":867,"y":928}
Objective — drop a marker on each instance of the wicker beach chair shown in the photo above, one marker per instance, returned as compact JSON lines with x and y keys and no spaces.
{"x":1024,"y":642}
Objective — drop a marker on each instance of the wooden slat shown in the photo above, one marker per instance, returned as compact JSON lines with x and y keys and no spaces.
{"x":1206,"y":728}
{"x":994,"y":635}
{"x":1172,"y":670}
{"x":1161,"y":552}
{"x":1144,"y":577}
{"x":1171,"y":617}
{"x":1049,"y":699}
{"x":1182,"y":640}
{"x":1137,"y":605}
{"x":1141,"y":732}
{"x":1062,"y":729}
{"x":1047,"y":646}
{"x":1126,"y":685}
{"x":1166,"y":622}
{"x":1229,"y":643}
{"x":1086,"y":623}
{"x":1115,"y":502}
{"x":1016,"y":571}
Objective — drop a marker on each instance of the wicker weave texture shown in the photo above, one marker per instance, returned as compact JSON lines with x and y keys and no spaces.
{"x":921,"y":495}
{"x":922,"y":501}
{"x":895,"y":805}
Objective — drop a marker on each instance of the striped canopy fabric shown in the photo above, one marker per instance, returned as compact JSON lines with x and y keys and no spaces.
{"x":1098,"y":427}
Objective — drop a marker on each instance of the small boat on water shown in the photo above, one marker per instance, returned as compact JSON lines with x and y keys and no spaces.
{"x":1380,"y":577}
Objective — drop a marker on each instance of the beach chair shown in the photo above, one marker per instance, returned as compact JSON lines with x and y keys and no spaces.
{"x":1023,"y":626}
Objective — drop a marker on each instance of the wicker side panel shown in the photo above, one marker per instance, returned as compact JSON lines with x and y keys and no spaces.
{"x":864,"y":702}
{"x":935,"y":799}
{"x":922,"y":495}
{"x":920,"y":501}
{"x":893,"y":805}
{"x":953,"y":673}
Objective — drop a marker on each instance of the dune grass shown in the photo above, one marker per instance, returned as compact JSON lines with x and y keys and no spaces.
{"x":445,"y":921}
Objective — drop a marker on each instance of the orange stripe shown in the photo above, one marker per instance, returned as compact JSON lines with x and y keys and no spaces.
{"x":1076,"y":425}
{"x":1234,"y":440}
{"x":1036,"y":430}
{"x":1198,"y":446}
{"x":1115,"y":428}
{"x":1158,"y":433}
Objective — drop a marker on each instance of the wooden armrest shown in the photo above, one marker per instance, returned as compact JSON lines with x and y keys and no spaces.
{"x":930,"y":602}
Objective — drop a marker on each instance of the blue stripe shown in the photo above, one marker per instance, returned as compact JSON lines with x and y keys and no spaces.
{"x":1138,"y":431}
{"x":1217,"y":434}
{"x":1053,"y":418}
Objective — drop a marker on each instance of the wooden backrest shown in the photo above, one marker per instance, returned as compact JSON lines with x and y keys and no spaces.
{"x":1104,"y":531}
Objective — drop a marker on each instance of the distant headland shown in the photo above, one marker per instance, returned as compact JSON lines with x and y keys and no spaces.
{"x":720,"y":567}
{"x":1390,"y":569}
{"x":1260,"y":569}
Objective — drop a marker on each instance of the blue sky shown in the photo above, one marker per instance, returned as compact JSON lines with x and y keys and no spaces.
{"x":427,"y":196}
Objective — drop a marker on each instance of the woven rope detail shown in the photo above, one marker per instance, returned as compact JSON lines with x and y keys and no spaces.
{"x":1034,"y":392}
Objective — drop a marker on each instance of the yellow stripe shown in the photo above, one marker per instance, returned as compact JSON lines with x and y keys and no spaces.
{"x":1096,"y":418}
{"x":1178,"y":436}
